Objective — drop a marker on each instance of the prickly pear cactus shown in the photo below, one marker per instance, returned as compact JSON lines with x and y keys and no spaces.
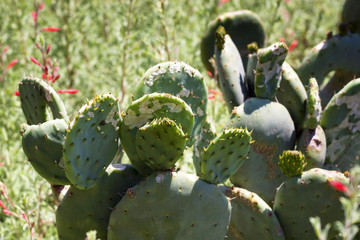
{"x":92,"y":141}
{"x":180,"y":80}
{"x":340,"y":121}
{"x":336,"y":53}
{"x":207,"y":134}
{"x":171,"y":205}
{"x":243,"y":26}
{"x":312,"y":141}
{"x":310,"y":194}
{"x":145,"y":110}
{"x":230,"y":70}
{"x":35,"y":96}
{"x":251,"y":68}
{"x":350,"y":15}
{"x":268,"y":70}
{"x":224,"y":155}
{"x":292,"y":95}
{"x":292,"y":163}
{"x":251,"y":217}
{"x":83,"y":210}
{"x":43,"y":145}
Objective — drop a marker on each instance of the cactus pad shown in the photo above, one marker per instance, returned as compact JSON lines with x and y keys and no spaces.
{"x":224,"y":155}
{"x":268,"y":69}
{"x":194,"y":210}
{"x":160,"y":143}
{"x":145,"y":110}
{"x":292,"y":163}
{"x":180,"y":80}
{"x":251,"y":217}
{"x":92,"y":141}
{"x":43,"y":144}
{"x":35,"y":96}
{"x":83,"y":210}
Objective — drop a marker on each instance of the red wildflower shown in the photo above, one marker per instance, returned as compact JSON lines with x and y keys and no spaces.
{"x":35,"y":61}
{"x":210,"y":74}
{"x":293,"y":45}
{"x":41,"y":6}
{"x":2,"y":205}
{"x":56,"y":78}
{"x":221,"y":2}
{"x":13,"y":62}
{"x":34,"y":16}
{"x":50,"y":29}
{"x":69,"y":91}
{"x":281,"y":39}
{"x":339,"y":186}
{"x":16,"y":93}
{"x":1,"y":164}
{"x":5,"y":49}
{"x":48,"y":49}
{"x":211,"y":97}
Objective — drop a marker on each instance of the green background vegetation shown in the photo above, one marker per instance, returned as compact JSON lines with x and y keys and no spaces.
{"x":106,"y":46}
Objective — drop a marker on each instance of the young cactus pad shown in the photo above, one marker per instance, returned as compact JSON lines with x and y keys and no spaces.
{"x":92,"y":141}
{"x":251,"y":217}
{"x":145,"y":110}
{"x":311,"y":194}
{"x":268,"y":69}
{"x":224,"y":155}
{"x":83,"y":210}
{"x":230,"y":70}
{"x":292,"y":163}
{"x":171,"y":205}
{"x":181,"y":80}
{"x":160,"y":143}
{"x":35,"y":96}
{"x":341,"y":123}
{"x":313,"y":106}
{"x":42,"y":145}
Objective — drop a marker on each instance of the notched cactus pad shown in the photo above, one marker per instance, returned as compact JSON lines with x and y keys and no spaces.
{"x":42,"y":145}
{"x":171,"y":205}
{"x":181,"y":80}
{"x":35,"y":96}
{"x":143,"y":111}
{"x":160,"y":143}
{"x":92,"y":141}
{"x":224,"y":155}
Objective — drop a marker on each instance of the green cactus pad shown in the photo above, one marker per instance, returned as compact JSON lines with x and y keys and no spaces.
{"x":313,"y":105}
{"x":251,"y":68}
{"x":292,"y":95}
{"x":160,"y":143}
{"x":181,"y":80}
{"x":273,"y":132}
{"x":337,"y":53}
{"x":207,"y":134}
{"x":35,"y":96}
{"x":251,"y":217}
{"x":292,"y":163}
{"x":268,"y":69}
{"x":43,"y":144}
{"x":230,"y":70}
{"x":350,"y":15}
{"x":312,"y":143}
{"x":92,"y":141}
{"x":145,"y":110}
{"x":83,"y":210}
{"x":243,"y":26}
{"x":309,"y":195}
{"x":341,"y":123}
{"x":224,"y":155}
{"x":171,"y":205}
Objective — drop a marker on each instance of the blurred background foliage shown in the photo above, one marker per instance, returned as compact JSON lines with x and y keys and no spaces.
{"x":106,"y":46}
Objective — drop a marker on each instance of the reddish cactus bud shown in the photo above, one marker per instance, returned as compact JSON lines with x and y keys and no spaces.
{"x":339,"y":186}
{"x":35,"y":61}
{"x":50,"y":29}
{"x":13,"y":62}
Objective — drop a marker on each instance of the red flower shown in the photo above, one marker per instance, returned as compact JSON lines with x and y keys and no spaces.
{"x":41,"y":6}
{"x":293,"y":45}
{"x":16,"y":93}
{"x":35,"y":61}
{"x":34,"y":16}
{"x":221,"y":2}
{"x":5,"y":49}
{"x":339,"y":186}
{"x":1,"y":164}
{"x":50,"y":29}
{"x":69,"y":91}
{"x":281,"y":39}
{"x":13,"y":62}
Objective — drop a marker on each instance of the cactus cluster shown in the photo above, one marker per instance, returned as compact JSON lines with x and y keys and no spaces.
{"x":261,"y":177}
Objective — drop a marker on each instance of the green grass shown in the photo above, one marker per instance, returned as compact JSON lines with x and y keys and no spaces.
{"x":106,"y":46}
